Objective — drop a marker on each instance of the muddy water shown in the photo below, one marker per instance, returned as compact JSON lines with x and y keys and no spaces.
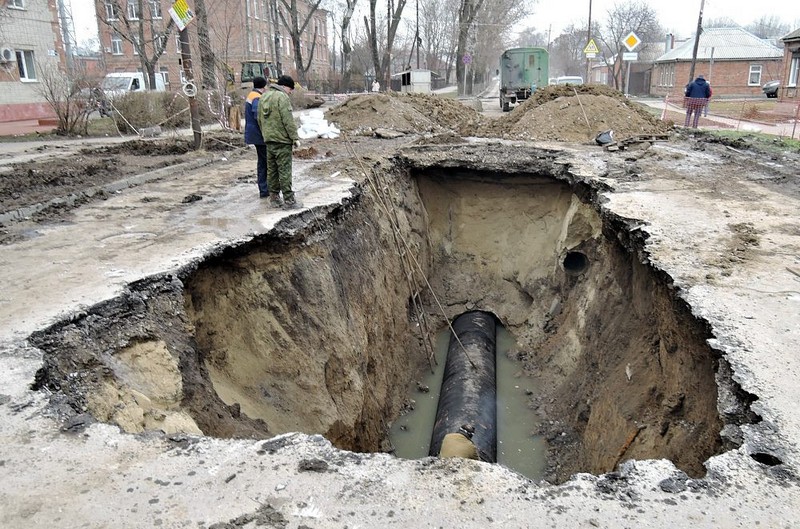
{"x":517,"y":449}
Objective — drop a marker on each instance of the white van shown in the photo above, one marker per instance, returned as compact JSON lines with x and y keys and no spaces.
{"x":119,"y":83}
{"x":569,"y":79}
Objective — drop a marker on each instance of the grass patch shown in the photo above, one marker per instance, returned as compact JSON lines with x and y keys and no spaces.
{"x":759,"y":141}
{"x":102,"y":127}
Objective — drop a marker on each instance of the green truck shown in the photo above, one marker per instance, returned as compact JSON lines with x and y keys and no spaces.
{"x":522,"y":71}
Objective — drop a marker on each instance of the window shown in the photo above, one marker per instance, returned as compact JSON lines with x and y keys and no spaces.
{"x":27,"y":70}
{"x":136,"y":44}
{"x":165,"y":75}
{"x":178,"y":43}
{"x":255,"y":9}
{"x":257,"y":38}
{"x":111,"y":10}
{"x":794,"y":71}
{"x":116,"y":44}
{"x":16,"y":4}
{"x":155,"y":9}
{"x":133,"y":10}
{"x":755,"y":75}
{"x":160,"y":42}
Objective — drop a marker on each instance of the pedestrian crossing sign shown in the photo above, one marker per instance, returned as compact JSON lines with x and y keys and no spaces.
{"x":591,"y":48}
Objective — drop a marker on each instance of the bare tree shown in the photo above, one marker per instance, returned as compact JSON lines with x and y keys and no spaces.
{"x":492,"y":35}
{"x":70,"y":96}
{"x":531,"y":38}
{"x":141,"y":23}
{"x":297,"y":24}
{"x":635,"y":16}
{"x":566,"y":55}
{"x":466,"y":16}
{"x":768,"y":26}
{"x":383,"y":65}
{"x":347,"y":48}
{"x":439,"y":21}
{"x":207,"y":59}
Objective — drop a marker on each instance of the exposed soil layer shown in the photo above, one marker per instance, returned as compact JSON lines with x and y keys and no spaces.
{"x":311,"y":327}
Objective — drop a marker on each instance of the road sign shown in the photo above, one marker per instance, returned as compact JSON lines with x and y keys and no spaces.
{"x":631,"y":41}
{"x":630,"y":56}
{"x":467,"y":58}
{"x":591,"y":48}
{"x":181,"y":14}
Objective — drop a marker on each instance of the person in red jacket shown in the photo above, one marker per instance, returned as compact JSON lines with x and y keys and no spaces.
{"x":253,"y":136}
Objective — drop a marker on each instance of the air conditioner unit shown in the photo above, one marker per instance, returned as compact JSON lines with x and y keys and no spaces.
{"x":6,"y":54}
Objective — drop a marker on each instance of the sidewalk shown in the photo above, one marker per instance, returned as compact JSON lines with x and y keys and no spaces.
{"x":781,"y":129}
{"x":21,"y":128}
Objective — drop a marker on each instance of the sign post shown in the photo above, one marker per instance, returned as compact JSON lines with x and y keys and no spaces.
{"x":182,"y":15}
{"x":591,"y":50}
{"x":630,"y":41}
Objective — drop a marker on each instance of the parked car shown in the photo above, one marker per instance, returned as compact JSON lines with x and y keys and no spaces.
{"x":569,"y":79}
{"x":770,"y":88}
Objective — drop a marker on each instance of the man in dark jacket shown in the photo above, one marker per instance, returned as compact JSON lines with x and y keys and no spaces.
{"x":280,"y":134}
{"x":697,"y":94}
{"x":252,"y":134}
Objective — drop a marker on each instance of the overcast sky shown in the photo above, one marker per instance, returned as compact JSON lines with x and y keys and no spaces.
{"x":678,"y":16}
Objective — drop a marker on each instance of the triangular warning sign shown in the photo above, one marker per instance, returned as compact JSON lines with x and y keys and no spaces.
{"x":591,"y":47}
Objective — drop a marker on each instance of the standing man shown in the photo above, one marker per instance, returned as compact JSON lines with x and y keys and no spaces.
{"x":280,"y":133}
{"x":697,"y":95}
{"x":376,"y":86}
{"x":252,"y":134}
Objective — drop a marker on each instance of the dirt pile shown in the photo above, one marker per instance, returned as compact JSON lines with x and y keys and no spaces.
{"x":364,"y":113}
{"x":407,"y":113}
{"x":447,"y":113}
{"x":577,"y":114}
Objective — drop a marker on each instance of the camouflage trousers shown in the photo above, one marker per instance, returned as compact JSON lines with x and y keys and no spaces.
{"x":279,"y":169}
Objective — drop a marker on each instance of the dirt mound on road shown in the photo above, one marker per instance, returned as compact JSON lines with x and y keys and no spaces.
{"x":558,"y":114}
{"x":407,"y":113}
{"x":364,"y":113}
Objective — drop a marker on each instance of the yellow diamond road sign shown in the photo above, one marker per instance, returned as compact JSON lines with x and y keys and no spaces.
{"x":631,"y":41}
{"x":591,"y":48}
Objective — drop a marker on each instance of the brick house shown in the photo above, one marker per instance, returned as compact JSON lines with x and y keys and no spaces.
{"x":791,"y":67}
{"x":239,"y":30}
{"x":30,"y":43}
{"x":734,"y":61}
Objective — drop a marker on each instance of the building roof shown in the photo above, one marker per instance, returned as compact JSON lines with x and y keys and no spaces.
{"x":793,"y":35}
{"x":727,"y":43}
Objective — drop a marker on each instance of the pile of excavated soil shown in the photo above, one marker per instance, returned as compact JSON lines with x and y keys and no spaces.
{"x":447,"y":113}
{"x":557,"y":113}
{"x":365,"y":113}
{"x":407,"y":113}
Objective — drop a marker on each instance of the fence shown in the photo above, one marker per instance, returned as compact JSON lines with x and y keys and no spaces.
{"x":770,"y":116}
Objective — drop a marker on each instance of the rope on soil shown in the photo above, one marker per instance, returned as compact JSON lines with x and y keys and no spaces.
{"x":407,"y":251}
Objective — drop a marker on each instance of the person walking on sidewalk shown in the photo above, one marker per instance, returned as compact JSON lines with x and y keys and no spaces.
{"x":252,"y":134}
{"x":280,"y":134}
{"x":697,"y":95}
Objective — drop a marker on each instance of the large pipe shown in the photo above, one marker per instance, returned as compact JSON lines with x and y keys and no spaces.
{"x":468,"y":394}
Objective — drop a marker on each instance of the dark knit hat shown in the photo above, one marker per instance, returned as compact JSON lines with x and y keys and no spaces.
{"x":285,"y":80}
{"x":259,"y":82}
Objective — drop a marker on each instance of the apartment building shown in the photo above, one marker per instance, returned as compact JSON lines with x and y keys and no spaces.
{"x":239,"y":30}
{"x":30,"y":44}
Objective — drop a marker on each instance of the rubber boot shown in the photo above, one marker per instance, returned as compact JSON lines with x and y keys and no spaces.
{"x":275,"y":200}
{"x":292,"y":203}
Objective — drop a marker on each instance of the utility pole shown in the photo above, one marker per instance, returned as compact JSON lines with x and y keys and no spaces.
{"x":697,"y":40}
{"x":588,"y":38}
{"x":189,"y":87}
{"x":416,"y":35}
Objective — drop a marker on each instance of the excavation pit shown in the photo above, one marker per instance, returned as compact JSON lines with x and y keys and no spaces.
{"x":313,"y":327}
